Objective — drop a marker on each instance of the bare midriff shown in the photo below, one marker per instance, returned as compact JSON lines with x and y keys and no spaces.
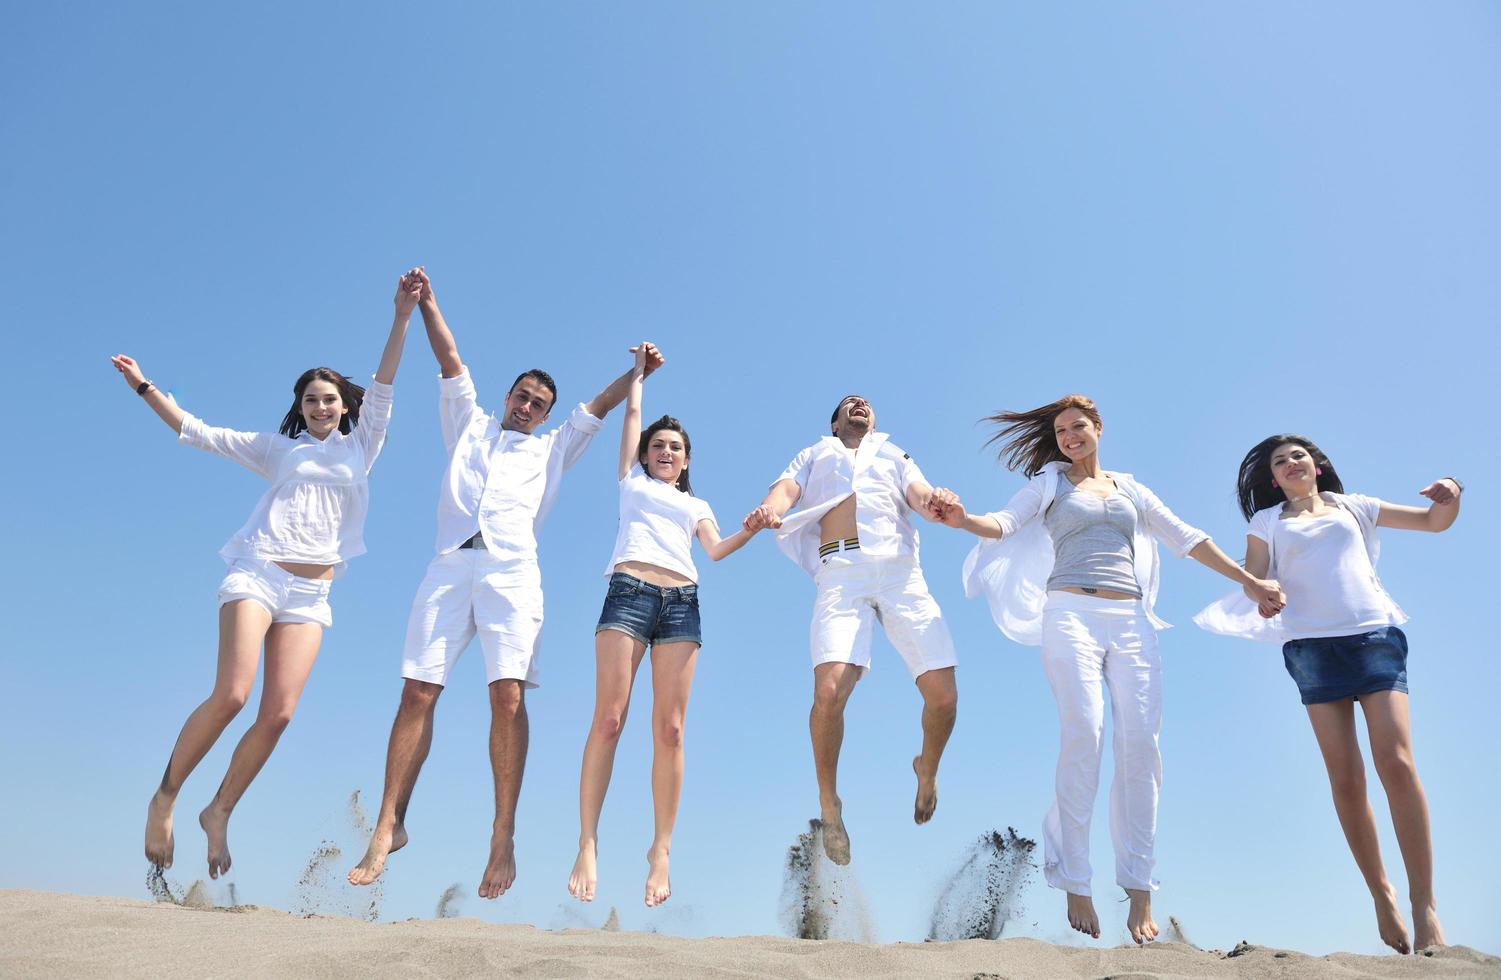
{"x":655,"y":574}
{"x":1098,"y":593}
{"x":304,"y":570}
{"x":839,"y":524}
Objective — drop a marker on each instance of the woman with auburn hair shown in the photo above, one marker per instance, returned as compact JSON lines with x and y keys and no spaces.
{"x":652,"y":600}
{"x":1341,"y":642}
{"x":1072,"y":566}
{"x":308,"y":523}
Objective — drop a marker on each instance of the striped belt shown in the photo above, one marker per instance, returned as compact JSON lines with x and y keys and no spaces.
{"x":832,"y":547}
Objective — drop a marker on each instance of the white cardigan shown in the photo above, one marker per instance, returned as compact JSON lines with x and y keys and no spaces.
{"x":1013,"y":571}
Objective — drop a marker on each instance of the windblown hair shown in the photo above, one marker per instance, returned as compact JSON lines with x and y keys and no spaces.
{"x":352,"y":394}
{"x":1254,"y":489}
{"x":672,"y":424}
{"x":1026,"y":438}
{"x":542,"y":378}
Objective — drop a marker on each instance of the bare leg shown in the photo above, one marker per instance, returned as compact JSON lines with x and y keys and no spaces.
{"x":242,"y":625}
{"x":411,"y":737}
{"x":1334,"y":726}
{"x":508,"y":741}
{"x":616,"y":657}
{"x":832,"y":685}
{"x":940,"y":704}
{"x":291,"y":649}
{"x":1390,"y":730}
{"x":672,"y":666}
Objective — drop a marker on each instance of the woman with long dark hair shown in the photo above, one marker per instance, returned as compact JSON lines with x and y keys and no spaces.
{"x":308,"y":523}
{"x":1073,"y":568}
{"x":1341,"y":642}
{"x":651,"y":601}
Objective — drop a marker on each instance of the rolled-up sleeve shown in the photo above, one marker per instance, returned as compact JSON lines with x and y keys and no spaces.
{"x":457,"y":405}
{"x":1021,"y":508}
{"x":797,"y":470}
{"x":1165,"y":526}
{"x":575,"y":434}
{"x":251,"y":450}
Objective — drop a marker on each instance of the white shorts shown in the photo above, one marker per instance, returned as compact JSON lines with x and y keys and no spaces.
{"x":288,"y":598}
{"x":855,"y":592}
{"x":471,"y":591}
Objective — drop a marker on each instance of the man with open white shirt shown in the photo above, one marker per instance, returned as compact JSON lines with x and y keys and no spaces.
{"x":499,"y":484}
{"x":854,"y":535}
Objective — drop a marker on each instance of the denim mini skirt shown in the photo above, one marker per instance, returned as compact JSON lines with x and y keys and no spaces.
{"x":651,"y":613}
{"x":1331,"y":668}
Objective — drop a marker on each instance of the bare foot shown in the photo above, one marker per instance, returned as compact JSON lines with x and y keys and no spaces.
{"x":585,"y":873}
{"x":658,"y":885}
{"x":1139,"y":921}
{"x":500,"y":872}
{"x":159,"y":842}
{"x":216,"y":825}
{"x":927,"y":794}
{"x":1426,"y":930}
{"x":1389,"y":921}
{"x":1081,"y":915}
{"x":382,"y":844}
{"x":836,"y":840}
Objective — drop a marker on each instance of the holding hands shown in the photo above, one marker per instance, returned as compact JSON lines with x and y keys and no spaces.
{"x":648,"y":358}
{"x":1267,"y":595}
{"x":1443,"y":491}
{"x":943,"y":506}
{"x":409,"y":289}
{"x":761,"y":518}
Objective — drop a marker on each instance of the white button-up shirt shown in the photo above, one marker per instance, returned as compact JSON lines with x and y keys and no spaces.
{"x":499,"y":482}
{"x":314,"y":511}
{"x":877,"y":473}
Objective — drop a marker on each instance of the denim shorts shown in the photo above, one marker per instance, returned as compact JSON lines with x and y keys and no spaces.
{"x":1331,"y":668}
{"x":651,"y":613}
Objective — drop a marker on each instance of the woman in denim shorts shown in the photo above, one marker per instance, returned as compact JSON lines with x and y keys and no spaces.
{"x":652,"y":601}
{"x":308,"y":523}
{"x":1342,"y":645}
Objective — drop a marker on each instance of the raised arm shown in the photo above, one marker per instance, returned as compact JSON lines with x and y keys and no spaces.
{"x":1437,"y":516}
{"x":614,"y":393}
{"x":438,"y":334}
{"x":163,"y":405}
{"x":630,"y":428}
{"x":408,"y":293}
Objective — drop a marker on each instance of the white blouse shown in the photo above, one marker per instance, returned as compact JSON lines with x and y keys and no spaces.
{"x":658,"y":523}
{"x":314,"y":511}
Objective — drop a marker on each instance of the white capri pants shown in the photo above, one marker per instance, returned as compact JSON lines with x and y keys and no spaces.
{"x":1086,"y":642}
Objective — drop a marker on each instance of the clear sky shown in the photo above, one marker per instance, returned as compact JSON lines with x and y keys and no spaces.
{"x":1219,"y":222}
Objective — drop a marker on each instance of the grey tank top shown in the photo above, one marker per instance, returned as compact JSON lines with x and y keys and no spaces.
{"x":1093,"y":540}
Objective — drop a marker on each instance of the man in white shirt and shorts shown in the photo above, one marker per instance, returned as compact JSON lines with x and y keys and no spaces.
{"x":499,"y":484}
{"x":854,"y":535}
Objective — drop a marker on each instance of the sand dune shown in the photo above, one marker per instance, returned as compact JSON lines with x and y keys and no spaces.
{"x":53,"y":935}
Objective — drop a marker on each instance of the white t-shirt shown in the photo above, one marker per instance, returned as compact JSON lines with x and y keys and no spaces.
{"x":658,"y":523}
{"x":1325,"y":570}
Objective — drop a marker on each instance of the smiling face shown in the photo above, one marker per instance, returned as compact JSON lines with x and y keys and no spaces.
{"x":1078,"y":436}
{"x":1294,"y":470}
{"x":666,"y":456}
{"x":322,"y":407}
{"x":854,"y":417}
{"x":527,"y":406}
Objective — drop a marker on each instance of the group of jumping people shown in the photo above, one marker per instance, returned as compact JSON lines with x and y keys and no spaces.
{"x":1070,"y":564}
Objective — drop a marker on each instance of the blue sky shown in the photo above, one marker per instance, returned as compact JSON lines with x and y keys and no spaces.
{"x":1219,"y":222}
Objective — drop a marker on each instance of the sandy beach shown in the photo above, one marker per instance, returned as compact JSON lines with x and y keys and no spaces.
{"x":56,"y":935}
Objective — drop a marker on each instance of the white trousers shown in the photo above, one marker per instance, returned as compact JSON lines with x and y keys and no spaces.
{"x":1089,"y":643}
